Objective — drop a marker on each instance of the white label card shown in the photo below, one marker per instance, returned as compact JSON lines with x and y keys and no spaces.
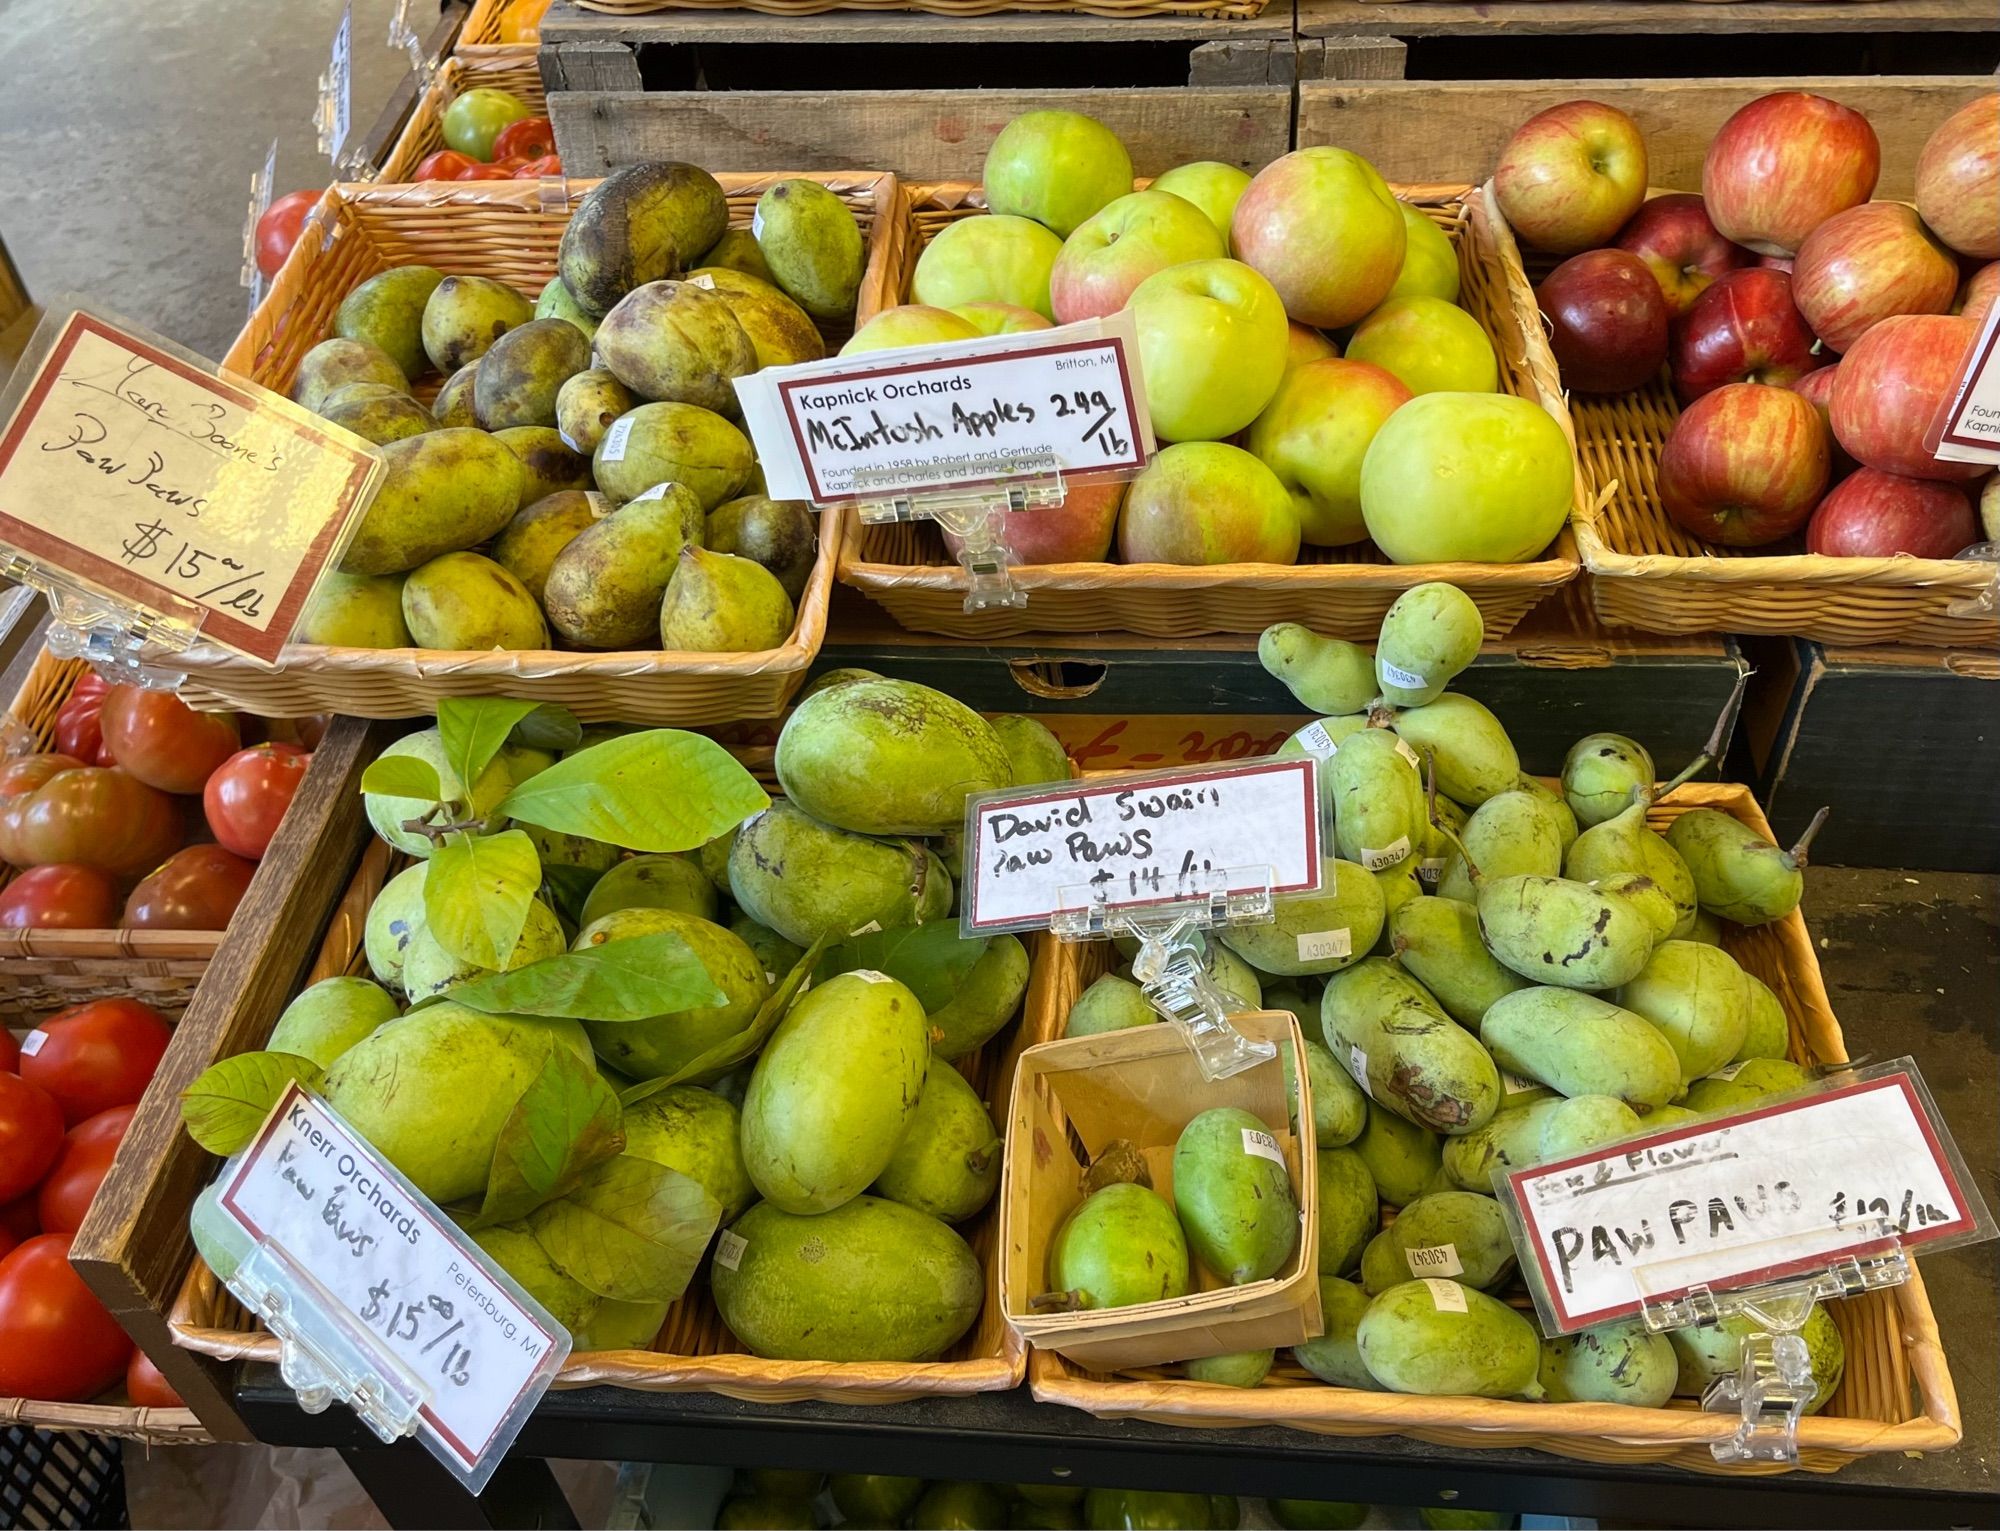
{"x":420,"y":1289}
{"x":1403,"y":749}
{"x":926,"y":419}
{"x":1446,"y":1296}
{"x":1263,"y":1145}
{"x":1776,"y":1191}
{"x":612,"y":448}
{"x":1968,"y":426}
{"x":1315,"y":740}
{"x":1434,"y":1260}
{"x":1132,"y":842}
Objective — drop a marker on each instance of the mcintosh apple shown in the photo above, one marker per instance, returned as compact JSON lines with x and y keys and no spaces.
{"x":1865,"y":264}
{"x":1571,"y":176}
{"x":1743,"y":329}
{"x":1205,"y":502}
{"x":1430,"y":264}
{"x":1976,"y":297}
{"x":1467,"y":477}
{"x":1744,"y":465}
{"x":1210,"y":185}
{"x":1958,"y":179}
{"x":1304,"y":344}
{"x":1872,"y":514}
{"x":1077,"y":531}
{"x":1607,"y":321}
{"x":1682,"y":249}
{"x":994,"y":259}
{"x":1816,"y":388}
{"x":1783,"y":165}
{"x":1056,"y":168}
{"x":1001,"y":318}
{"x":1322,"y":226}
{"x":1212,"y":347}
{"x":1314,"y":435}
{"x":1892,"y":385}
{"x":1429,"y":345}
{"x":909,"y":324}
{"x":1123,"y":243}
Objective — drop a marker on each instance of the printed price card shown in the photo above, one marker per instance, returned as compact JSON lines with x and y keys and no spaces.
{"x":427,"y":1300}
{"x":1138,"y":841}
{"x":937,"y":419}
{"x":1967,"y":428}
{"x":1741,"y":1201}
{"x":128,"y":466}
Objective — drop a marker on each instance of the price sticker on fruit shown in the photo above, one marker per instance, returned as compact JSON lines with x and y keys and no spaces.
{"x":383,"y":1287}
{"x":1734,"y":1203}
{"x":133,"y":471}
{"x":948,"y":419}
{"x":1141,"y":841}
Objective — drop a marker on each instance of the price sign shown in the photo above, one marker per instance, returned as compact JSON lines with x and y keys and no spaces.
{"x":420,"y":1297}
{"x":945,"y":419}
{"x":131,"y":467}
{"x":1140,"y":841}
{"x":1741,"y":1201}
{"x":1968,"y":427}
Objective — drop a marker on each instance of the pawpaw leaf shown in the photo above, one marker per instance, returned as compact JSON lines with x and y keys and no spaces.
{"x":929,"y":960}
{"x":565,"y":1122}
{"x":567,"y":888}
{"x":477,"y":889}
{"x":633,"y":1231}
{"x":225,"y":1106}
{"x":549,"y":727}
{"x":628,"y":980}
{"x":727,"y":1054}
{"x":472,"y":729}
{"x":403,"y":776}
{"x":660,"y":790}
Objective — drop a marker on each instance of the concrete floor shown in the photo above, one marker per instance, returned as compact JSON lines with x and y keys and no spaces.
{"x":129,"y":133}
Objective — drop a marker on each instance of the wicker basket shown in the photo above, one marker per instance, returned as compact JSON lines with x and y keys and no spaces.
{"x":1229,"y":10}
{"x":43,"y":971}
{"x":1645,"y":572}
{"x":509,"y":69}
{"x":1897,"y":1394}
{"x":128,"y":1422}
{"x":500,"y":24}
{"x":509,"y":231}
{"x":1341,"y":592}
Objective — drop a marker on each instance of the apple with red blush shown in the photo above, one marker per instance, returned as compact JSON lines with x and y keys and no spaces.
{"x":1743,"y":329}
{"x":1744,"y":465}
{"x":1607,"y":321}
{"x":1685,"y":252}
{"x":1873,"y":514}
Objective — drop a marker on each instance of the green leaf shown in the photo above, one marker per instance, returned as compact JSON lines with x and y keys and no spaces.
{"x":549,"y":727}
{"x":472,"y":729}
{"x":633,"y":1231}
{"x":567,"y":888}
{"x":477,"y":892}
{"x":931,"y":960}
{"x":223,"y":1109}
{"x":403,"y":776}
{"x":725,"y":1055}
{"x":661,"y":790}
{"x":628,"y":980}
{"x":565,"y":1122}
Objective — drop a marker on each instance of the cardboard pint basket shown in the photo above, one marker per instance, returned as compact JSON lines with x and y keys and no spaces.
{"x":1073,"y":1097}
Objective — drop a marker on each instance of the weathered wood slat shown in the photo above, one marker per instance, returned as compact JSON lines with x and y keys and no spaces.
{"x":920,"y":134}
{"x":566,"y":26}
{"x":1447,"y":131}
{"x":1454,"y":18}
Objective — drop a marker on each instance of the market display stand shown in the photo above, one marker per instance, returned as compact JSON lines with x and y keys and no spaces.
{"x":1895,"y":950}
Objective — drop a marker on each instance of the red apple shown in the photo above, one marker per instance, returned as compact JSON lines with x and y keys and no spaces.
{"x":1744,"y":465}
{"x":1571,"y":176}
{"x":1890,"y":388}
{"x":1076,"y":531}
{"x":1776,"y":263}
{"x":1958,"y":179}
{"x":1743,"y":329}
{"x":1873,"y":514}
{"x":1976,"y":297}
{"x":1816,"y":387}
{"x":1682,"y":249}
{"x":1865,"y":264}
{"x":1783,"y":165}
{"x":1607,"y":320}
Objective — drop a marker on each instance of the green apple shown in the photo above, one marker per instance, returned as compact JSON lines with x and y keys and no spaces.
{"x":1466,"y":477}
{"x":1430,"y":264}
{"x":1212,"y":347}
{"x":1314,"y":436}
{"x":910,"y":324}
{"x":1304,"y":344}
{"x":1210,"y":185}
{"x":475,"y":119}
{"x":1119,"y":246}
{"x":995,"y":259}
{"x":1324,"y":227}
{"x":1431,"y":345}
{"x":1205,"y":502}
{"x":1056,"y":168}
{"x":1001,"y":318}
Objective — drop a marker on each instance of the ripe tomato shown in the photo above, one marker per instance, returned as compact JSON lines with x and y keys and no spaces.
{"x":87,"y":1150}
{"x":57,"y":1342}
{"x":248,"y":794}
{"x":145,"y":1386}
{"x":17,"y":1219}
{"x":548,"y":164}
{"x":163,"y":741}
{"x":473,"y":121}
{"x":478,"y":172}
{"x":441,"y":166}
{"x":93,"y":1057}
{"x":96,"y":816}
{"x":530,"y":138}
{"x":20,"y":779}
{"x":278,"y":229}
{"x":79,"y":724}
{"x":196,"y":889}
{"x":30,"y":1134}
{"x":60,"y":897}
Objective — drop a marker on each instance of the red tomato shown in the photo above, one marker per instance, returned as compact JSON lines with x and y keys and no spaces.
{"x":17,"y":1219}
{"x":530,"y":138}
{"x":30,"y":1134}
{"x":278,"y":229}
{"x":145,"y":1386}
{"x":93,"y":1057}
{"x":442,"y":166}
{"x":70,"y":1186}
{"x":95,"y":816}
{"x":196,"y":889}
{"x":163,"y":741}
{"x":477,"y":172}
{"x":10,"y":1053}
{"x":60,"y":897}
{"x":79,"y":724}
{"x":57,"y":1342}
{"x":248,"y":794}
{"x":548,"y":164}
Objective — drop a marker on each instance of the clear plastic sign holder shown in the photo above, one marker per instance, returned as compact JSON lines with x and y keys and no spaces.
{"x":120,"y":640}
{"x":976,"y":516}
{"x":1987,"y":601}
{"x":333,"y":110}
{"x":263,"y":183}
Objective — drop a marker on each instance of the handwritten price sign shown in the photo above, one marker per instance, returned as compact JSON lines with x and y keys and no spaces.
{"x":126,"y":466}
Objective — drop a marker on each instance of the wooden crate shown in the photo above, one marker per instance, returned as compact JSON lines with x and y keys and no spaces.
{"x":1341,"y":592}
{"x":1897,"y":1393}
{"x":509,"y":69}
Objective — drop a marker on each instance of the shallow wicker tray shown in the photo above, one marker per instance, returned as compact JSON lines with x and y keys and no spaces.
{"x":1897,"y":1393}
{"x":1236,"y":10}
{"x":493,"y":24}
{"x":510,"y":69}
{"x":509,"y":231}
{"x":1341,"y":592}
